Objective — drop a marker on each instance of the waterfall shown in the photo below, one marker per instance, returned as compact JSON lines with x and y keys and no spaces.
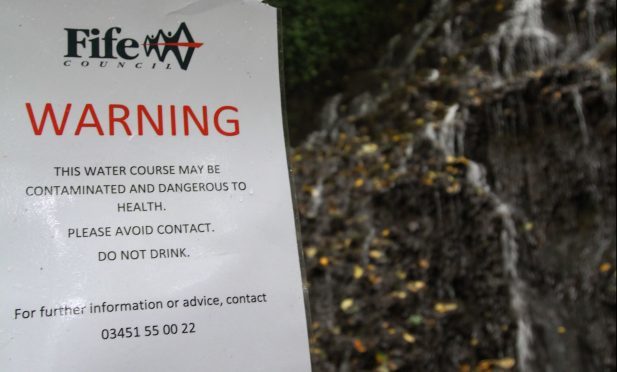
{"x":449,"y":138}
{"x":518,"y":287}
{"x":449,"y":134}
{"x":316,"y":198}
{"x":524,"y":29}
{"x":580,"y":112}
{"x":330,"y":115}
{"x":415,"y":160}
{"x":476,"y":175}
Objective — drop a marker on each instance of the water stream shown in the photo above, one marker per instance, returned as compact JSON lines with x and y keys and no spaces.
{"x":518,"y":287}
{"x":449,"y":137}
{"x":523,"y":32}
{"x":580,"y":112}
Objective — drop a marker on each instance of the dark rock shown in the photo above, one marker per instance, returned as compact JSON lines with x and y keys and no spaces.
{"x":460,"y":215}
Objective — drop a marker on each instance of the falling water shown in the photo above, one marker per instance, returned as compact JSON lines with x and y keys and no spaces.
{"x":449,"y":134}
{"x":330,"y":114}
{"x":363,"y":105}
{"x":316,"y":198}
{"x":476,"y":175}
{"x":582,"y":120}
{"x":449,"y":138}
{"x":525,"y":28}
{"x":520,"y":305}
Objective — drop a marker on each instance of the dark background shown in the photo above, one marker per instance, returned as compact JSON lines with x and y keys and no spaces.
{"x":326,"y":42}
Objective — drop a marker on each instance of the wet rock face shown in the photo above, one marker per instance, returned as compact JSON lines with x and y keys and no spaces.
{"x":555,"y":161}
{"x":404,"y":238}
{"x":458,"y":204}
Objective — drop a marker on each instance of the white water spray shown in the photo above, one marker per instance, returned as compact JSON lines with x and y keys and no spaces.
{"x":524,"y":29}
{"x":518,"y":287}
{"x":449,"y":134}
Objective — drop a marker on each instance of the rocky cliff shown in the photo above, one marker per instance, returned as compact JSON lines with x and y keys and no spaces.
{"x":458,"y":203}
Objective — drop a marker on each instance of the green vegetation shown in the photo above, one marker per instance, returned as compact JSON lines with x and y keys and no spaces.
{"x":328,"y":41}
{"x":324,"y":37}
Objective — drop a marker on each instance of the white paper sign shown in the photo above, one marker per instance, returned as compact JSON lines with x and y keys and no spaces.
{"x":146,"y":214}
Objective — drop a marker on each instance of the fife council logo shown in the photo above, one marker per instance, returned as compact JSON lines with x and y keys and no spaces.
{"x":92,"y":48}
